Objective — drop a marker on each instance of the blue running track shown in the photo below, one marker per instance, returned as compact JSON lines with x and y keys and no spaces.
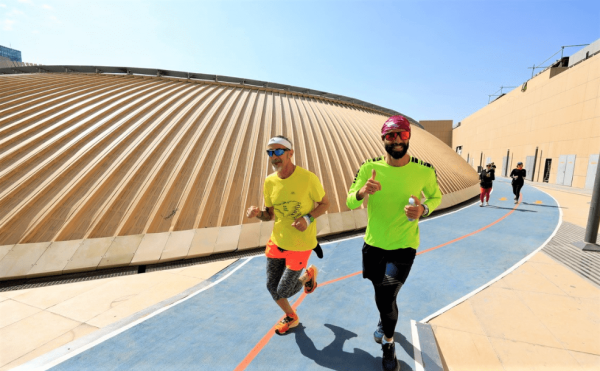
{"x":219,"y":327}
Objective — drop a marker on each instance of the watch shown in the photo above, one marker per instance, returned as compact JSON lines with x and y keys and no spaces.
{"x":425,"y":210}
{"x":310,"y":217}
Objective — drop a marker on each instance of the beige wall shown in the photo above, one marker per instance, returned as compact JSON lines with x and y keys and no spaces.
{"x":100,"y":171}
{"x":87,"y":156}
{"x":560,"y":115}
{"x":442,"y":129}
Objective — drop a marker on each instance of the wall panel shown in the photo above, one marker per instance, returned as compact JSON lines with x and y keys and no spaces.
{"x":91,"y":156}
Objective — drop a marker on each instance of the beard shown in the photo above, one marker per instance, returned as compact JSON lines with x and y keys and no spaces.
{"x":397,"y":154}
{"x":276,"y":165}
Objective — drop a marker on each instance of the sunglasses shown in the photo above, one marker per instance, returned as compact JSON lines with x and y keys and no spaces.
{"x":404,"y":135}
{"x":276,"y":152}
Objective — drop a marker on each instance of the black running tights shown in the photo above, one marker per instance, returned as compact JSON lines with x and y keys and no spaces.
{"x":517,"y":190}
{"x":385,"y":298}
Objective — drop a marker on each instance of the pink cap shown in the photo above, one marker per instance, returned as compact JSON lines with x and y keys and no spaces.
{"x":395,"y":123}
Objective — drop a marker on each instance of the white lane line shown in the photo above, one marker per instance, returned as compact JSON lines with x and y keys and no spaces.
{"x":32,"y":365}
{"x":452,"y":212}
{"x":416,"y":346}
{"x":426,"y":219}
{"x":505,"y":273}
{"x":35,"y":363}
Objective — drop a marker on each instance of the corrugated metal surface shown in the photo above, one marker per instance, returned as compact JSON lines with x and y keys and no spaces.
{"x":86,"y":155}
{"x":561,"y":248}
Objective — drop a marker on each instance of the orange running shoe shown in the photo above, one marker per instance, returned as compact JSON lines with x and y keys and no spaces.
{"x":288,"y":322}
{"x":311,"y":284}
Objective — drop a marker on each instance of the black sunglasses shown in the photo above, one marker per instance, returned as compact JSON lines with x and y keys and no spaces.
{"x":276,"y":152}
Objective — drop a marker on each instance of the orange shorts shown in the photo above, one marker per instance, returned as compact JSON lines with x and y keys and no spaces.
{"x":294,"y":260}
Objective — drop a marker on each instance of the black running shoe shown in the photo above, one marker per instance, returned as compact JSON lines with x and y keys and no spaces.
{"x":389,"y":361}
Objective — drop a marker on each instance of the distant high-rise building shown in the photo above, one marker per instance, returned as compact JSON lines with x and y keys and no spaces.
{"x":12,"y":54}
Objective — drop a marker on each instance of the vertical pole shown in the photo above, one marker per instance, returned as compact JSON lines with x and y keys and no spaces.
{"x":534,"y":162}
{"x":541,"y":157}
{"x":481,"y":160}
{"x":506,"y":165}
{"x":591,"y":232}
{"x":532,"y":71}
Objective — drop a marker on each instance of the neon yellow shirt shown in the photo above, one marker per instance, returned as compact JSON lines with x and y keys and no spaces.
{"x":291,"y":198}
{"x":388,"y":226}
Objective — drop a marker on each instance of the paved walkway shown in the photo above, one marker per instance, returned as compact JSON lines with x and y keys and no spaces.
{"x":35,"y":321}
{"x":460,"y":253}
{"x":542,"y":316}
{"x":574,"y":202}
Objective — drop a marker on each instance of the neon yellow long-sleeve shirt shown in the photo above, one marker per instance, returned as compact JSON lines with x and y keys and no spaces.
{"x":388,"y":227}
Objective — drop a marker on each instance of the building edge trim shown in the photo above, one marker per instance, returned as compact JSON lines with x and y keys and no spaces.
{"x":328,"y":224}
{"x":205,"y":78}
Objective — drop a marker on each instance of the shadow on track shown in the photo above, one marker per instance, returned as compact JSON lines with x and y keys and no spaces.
{"x":510,"y":208}
{"x":556,"y":207}
{"x":335,"y":358}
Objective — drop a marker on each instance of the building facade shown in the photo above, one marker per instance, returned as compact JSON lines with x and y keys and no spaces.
{"x":441,"y":129}
{"x":551,"y":124}
{"x":137,"y":167}
{"x":11,"y":54}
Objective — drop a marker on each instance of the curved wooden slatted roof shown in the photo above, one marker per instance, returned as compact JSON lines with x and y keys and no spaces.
{"x":90,"y":155}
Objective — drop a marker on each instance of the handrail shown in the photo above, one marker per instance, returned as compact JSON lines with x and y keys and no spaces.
{"x":201,"y":77}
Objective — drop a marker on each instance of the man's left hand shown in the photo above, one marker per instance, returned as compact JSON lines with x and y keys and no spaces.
{"x":414,"y":212}
{"x":300,"y":224}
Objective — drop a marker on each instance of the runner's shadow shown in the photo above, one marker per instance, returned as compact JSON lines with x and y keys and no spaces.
{"x":334,"y":357}
{"x":510,"y":208}
{"x":556,"y":207}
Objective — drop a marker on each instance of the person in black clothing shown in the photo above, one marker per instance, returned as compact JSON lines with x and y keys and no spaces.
{"x":518,"y":176}
{"x":485,"y":181}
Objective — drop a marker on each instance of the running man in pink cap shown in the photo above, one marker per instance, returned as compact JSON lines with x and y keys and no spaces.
{"x":394,"y":183}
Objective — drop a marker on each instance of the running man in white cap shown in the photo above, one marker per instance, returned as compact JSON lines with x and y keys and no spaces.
{"x":290,"y":194}
{"x":392,"y":235}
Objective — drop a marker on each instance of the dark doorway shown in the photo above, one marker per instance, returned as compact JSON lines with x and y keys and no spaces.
{"x":547,"y":170}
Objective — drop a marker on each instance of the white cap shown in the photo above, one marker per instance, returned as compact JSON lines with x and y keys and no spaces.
{"x":284,"y":142}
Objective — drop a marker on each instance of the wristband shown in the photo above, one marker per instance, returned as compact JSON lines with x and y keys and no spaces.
{"x":307,"y":218}
{"x":425,"y":210}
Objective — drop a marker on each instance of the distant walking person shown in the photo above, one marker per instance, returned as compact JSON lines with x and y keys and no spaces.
{"x":485,"y":181}
{"x":290,"y":195}
{"x":394,"y":183}
{"x":518,"y":179}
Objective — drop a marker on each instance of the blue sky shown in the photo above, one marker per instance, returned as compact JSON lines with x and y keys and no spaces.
{"x":428,"y":59}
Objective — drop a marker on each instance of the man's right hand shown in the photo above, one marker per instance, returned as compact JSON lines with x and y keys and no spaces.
{"x":252,"y":212}
{"x":370,"y":187}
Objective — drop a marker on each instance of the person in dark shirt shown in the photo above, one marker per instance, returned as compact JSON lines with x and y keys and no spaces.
{"x":518,"y":179}
{"x":485,"y":181}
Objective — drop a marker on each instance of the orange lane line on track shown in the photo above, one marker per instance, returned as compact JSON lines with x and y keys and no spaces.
{"x":261,"y":344}
{"x":472,"y":233}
